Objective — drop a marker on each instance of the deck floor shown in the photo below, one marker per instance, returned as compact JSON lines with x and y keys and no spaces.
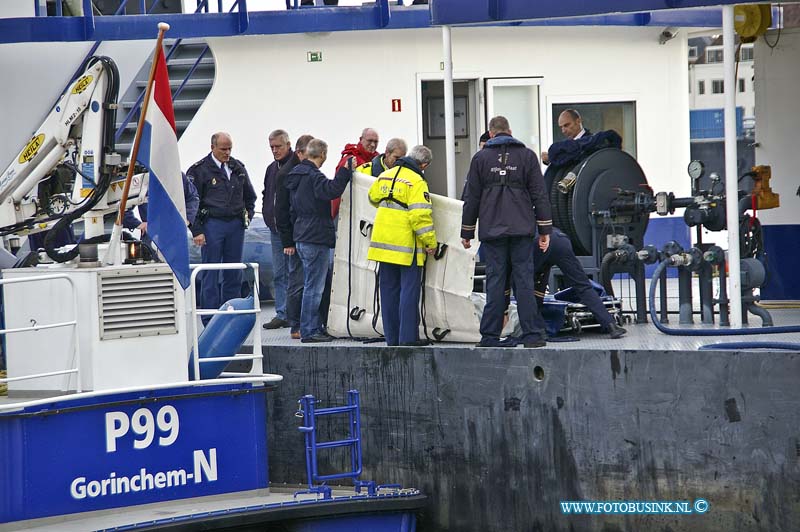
{"x":640,"y":336}
{"x":180,"y":511}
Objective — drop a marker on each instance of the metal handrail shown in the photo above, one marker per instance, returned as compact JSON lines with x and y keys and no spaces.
{"x":173,"y":48}
{"x":310,"y":413}
{"x":74,"y":324}
{"x":194,"y":312}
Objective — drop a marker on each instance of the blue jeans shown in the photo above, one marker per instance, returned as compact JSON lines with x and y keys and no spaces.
{"x":224,"y":243}
{"x":501,"y":254}
{"x":279,"y":275}
{"x":315,"y":259}
{"x":400,"y":291}
{"x":294,"y":290}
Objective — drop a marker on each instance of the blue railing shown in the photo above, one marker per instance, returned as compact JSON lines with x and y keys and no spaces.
{"x":121,"y":10}
{"x":310,"y":413}
{"x":202,"y":6}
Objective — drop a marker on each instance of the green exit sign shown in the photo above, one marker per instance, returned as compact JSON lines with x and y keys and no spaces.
{"x":314,"y":57}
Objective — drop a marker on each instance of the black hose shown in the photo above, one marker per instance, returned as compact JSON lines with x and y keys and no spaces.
{"x":704,"y":332}
{"x":109,"y":121}
{"x":605,"y":273}
{"x":781,"y":346}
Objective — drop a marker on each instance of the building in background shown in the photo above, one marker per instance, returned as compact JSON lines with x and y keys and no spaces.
{"x":707,"y":98}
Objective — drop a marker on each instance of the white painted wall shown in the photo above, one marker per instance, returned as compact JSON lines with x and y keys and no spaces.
{"x":16,"y":8}
{"x":777,"y":113}
{"x":265,"y":82}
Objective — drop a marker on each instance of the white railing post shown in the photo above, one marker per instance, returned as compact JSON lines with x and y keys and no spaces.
{"x":256,"y":356}
{"x":73,"y":323}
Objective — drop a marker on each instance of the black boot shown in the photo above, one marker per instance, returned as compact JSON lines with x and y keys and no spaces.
{"x":615,"y":331}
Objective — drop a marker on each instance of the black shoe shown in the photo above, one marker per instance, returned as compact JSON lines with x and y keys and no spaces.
{"x":417,"y":343}
{"x":489,"y":342}
{"x":317,"y":338}
{"x":535,"y":343}
{"x":276,"y":323}
{"x":615,"y":331}
{"x":511,"y":341}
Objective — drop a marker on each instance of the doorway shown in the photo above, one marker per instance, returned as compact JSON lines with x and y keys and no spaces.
{"x":467,"y":115}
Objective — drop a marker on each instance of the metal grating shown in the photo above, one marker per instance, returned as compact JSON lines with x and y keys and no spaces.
{"x":137,"y":303}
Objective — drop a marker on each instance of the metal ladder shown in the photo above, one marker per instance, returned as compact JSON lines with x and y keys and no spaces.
{"x":309,"y":412}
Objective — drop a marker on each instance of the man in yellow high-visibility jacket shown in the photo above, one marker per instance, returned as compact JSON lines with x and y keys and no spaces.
{"x":395,"y":149}
{"x":401,"y":236}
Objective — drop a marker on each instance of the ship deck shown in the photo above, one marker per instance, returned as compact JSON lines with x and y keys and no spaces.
{"x":640,"y":337}
{"x":246,"y":509}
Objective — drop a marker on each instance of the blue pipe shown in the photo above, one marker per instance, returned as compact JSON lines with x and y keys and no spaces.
{"x":704,"y":332}
{"x":784,"y":346}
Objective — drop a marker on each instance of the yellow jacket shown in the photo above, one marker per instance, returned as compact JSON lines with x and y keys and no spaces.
{"x":403,"y":227}
{"x":370,"y":168}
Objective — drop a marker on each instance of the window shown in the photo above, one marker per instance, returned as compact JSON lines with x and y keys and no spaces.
{"x":717,"y":86}
{"x":701,"y":87}
{"x":741,"y":84}
{"x":693,"y":52}
{"x":602,"y":116}
{"x":714,"y":55}
{"x":746,"y":53}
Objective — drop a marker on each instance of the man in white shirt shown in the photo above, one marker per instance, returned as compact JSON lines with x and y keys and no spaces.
{"x":571,"y":127}
{"x":571,"y":124}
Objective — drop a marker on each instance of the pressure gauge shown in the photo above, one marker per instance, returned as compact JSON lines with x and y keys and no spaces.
{"x":696,"y":169}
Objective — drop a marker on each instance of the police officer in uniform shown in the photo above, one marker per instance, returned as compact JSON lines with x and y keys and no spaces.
{"x":227,"y":202}
{"x":561,"y":254}
{"x":506,"y":191}
{"x":401,"y":236}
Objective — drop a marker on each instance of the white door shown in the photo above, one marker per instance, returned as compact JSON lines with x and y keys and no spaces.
{"x":518,"y":100}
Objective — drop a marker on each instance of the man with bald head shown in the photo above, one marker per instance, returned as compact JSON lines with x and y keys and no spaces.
{"x":227,"y":202}
{"x":363,"y":152}
{"x":571,"y":125}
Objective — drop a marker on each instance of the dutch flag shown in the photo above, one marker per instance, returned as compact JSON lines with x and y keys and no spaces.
{"x":158,"y":151}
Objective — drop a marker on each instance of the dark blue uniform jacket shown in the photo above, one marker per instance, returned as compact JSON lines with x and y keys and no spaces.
{"x":310,"y":195}
{"x":192,"y":200}
{"x":505,"y":190}
{"x":569,"y":151}
{"x":220,"y":197}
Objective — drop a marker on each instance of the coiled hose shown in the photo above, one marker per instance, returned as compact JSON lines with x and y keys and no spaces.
{"x":704,"y":332}
{"x":777,"y":346}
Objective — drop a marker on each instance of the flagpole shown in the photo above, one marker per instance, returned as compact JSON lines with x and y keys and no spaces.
{"x":113,"y":255}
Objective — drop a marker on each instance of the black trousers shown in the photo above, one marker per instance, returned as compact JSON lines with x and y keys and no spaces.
{"x":560,"y":254}
{"x":501,"y":255}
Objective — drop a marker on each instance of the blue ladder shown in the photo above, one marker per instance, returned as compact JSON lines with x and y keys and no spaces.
{"x":310,"y":413}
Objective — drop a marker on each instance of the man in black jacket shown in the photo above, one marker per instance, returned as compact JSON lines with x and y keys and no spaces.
{"x":227,"y":202}
{"x":561,"y":254}
{"x":310,"y":194}
{"x":283,"y":222}
{"x":505,"y":190}
{"x":281,"y":148}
